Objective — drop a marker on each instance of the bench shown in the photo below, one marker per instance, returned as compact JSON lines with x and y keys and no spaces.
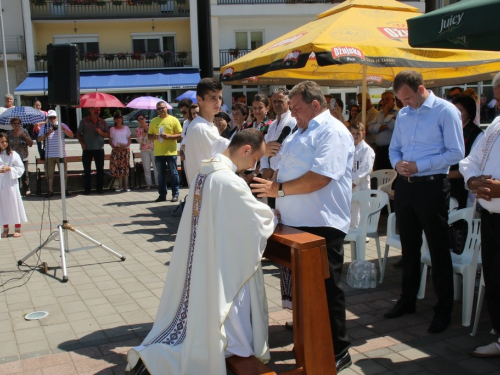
{"x":40,"y":175}
{"x":136,"y":157}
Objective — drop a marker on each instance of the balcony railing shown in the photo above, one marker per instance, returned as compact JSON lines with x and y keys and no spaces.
{"x":13,"y":44}
{"x":106,"y":9}
{"x":239,"y":2}
{"x":228,"y":55}
{"x":125,"y":61}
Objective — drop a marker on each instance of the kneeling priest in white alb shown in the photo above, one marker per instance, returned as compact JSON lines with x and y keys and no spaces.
{"x":214,"y":304}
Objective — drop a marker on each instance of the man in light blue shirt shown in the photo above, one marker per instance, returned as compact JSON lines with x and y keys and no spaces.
{"x":427,"y":139}
{"x":313,"y":191}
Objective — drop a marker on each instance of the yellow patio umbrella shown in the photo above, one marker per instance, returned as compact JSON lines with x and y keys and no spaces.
{"x":357,"y":42}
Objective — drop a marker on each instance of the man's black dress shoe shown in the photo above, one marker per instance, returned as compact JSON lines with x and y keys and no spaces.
{"x":439,"y":324}
{"x":343,"y":362}
{"x":161,"y":199}
{"x":401,"y":308}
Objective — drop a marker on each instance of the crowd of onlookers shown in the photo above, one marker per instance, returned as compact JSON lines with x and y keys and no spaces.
{"x":427,"y":140}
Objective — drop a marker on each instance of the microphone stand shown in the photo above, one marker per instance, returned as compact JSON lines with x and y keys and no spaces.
{"x":65,"y":227}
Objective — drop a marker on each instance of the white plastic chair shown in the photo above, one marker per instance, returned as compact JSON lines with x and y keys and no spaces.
{"x":479,"y":305}
{"x":370,"y":202}
{"x":385,"y":178}
{"x":393,"y":240}
{"x":464,"y":264}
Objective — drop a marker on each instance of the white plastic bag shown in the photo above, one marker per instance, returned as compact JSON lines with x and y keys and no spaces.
{"x":362,"y":275}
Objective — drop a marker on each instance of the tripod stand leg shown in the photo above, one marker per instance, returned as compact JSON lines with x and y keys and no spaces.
{"x":97,"y":243}
{"x":51,"y":237}
{"x":63,"y":255}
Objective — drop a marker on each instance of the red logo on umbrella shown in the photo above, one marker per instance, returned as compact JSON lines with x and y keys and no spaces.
{"x":377,"y":79}
{"x":394,"y":32}
{"x":291,"y":58}
{"x":347,"y":52}
{"x":228,"y":72}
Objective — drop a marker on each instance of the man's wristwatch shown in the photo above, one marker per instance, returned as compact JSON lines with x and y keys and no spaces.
{"x":281,"y":193}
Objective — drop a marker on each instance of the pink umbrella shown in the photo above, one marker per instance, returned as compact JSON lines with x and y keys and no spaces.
{"x":146,"y":102}
{"x":99,"y":99}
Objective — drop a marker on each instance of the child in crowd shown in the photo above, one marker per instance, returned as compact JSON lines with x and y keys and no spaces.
{"x":364,"y":156}
{"x":11,"y":204}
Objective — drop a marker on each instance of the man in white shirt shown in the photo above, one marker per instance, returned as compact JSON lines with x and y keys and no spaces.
{"x":203,"y":139}
{"x":214,"y":304}
{"x":314,"y":190}
{"x":284,"y":118}
{"x":482,"y":175}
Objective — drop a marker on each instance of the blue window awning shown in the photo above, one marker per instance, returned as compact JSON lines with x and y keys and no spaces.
{"x":118,"y":82}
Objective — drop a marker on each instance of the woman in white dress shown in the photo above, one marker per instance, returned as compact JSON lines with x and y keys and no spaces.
{"x":11,"y":204}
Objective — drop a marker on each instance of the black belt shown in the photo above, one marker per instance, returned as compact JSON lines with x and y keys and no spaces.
{"x":432,"y":177}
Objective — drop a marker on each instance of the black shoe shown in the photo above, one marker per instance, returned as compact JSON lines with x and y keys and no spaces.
{"x":86,"y":192}
{"x":100,"y":191}
{"x":401,"y":308}
{"x":68,"y":193}
{"x":439,"y":324}
{"x":49,"y":194}
{"x":398,"y":264}
{"x":161,"y":199}
{"x":175,"y":198}
{"x":343,"y":362}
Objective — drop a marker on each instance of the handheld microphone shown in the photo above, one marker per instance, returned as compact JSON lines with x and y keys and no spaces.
{"x":284,"y":133}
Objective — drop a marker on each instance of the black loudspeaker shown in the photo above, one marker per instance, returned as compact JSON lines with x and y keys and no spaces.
{"x":63,"y":74}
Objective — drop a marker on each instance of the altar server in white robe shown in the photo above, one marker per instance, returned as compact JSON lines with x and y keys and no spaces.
{"x":202,"y":139}
{"x":11,"y":204}
{"x":214,"y":303}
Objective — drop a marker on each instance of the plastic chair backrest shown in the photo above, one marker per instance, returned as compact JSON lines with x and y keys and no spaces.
{"x":370,"y":202}
{"x":453,"y":204}
{"x":391,"y":225}
{"x":385,"y":178}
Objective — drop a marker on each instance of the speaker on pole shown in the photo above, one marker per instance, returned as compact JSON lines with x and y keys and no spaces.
{"x":63,"y":74}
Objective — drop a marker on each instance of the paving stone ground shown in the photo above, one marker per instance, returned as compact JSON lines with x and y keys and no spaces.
{"x":108,"y":306}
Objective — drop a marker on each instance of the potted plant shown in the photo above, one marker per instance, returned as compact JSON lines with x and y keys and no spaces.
{"x":165,"y":54}
{"x":58,"y":2}
{"x":234,"y":52}
{"x":136,"y":56}
{"x":181,"y":2}
{"x":91,"y":56}
{"x":40,"y":58}
{"x":182,"y":55}
{"x":150,"y":55}
{"x":122,"y":56}
{"x":100,"y":3}
{"x":38,"y":2}
{"x":117,"y":2}
{"x":109,"y":56}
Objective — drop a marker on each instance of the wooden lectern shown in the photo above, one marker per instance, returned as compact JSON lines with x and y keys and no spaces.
{"x":305,"y":254}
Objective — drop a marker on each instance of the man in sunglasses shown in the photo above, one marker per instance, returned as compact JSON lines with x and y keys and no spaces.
{"x":165,"y":130}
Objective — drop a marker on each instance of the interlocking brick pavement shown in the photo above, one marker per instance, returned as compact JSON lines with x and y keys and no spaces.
{"x":108,"y":306}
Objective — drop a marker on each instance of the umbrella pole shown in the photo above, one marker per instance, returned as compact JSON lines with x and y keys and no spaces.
{"x":364,"y":93}
{"x":62,"y":229}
